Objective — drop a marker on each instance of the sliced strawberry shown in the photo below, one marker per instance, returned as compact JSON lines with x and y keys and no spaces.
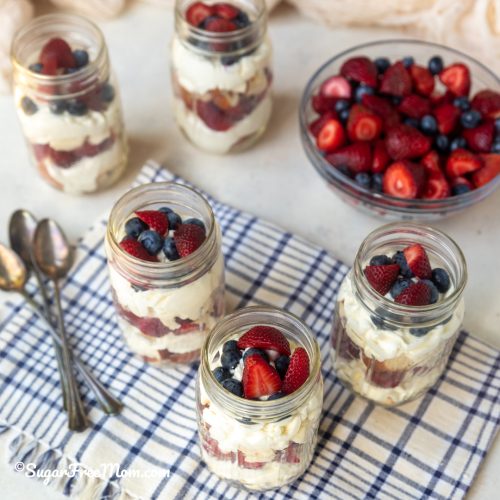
{"x":396,"y":80}
{"x":431,"y":162}
{"x":188,"y":238}
{"x":226,"y":10}
{"x":298,"y":371}
{"x":487,"y":102}
{"x":447,"y":117}
{"x":331,"y":136}
{"x":360,"y":69}
{"x":156,"y":220}
{"x":436,"y":187}
{"x":404,"y":179}
{"x":265,"y":337}
{"x":219,"y":25}
{"x":380,"y":157}
{"x":316,"y":125}
{"x":336,"y":87}
{"x":259,"y":378}
{"x":488,"y":172}
{"x":381,"y":278}
{"x":383,"y":108}
{"x":55,"y":54}
{"x":437,"y":98}
{"x":212,"y":116}
{"x":322,"y":104}
{"x":415,"y":106}
{"x":461,"y":162}
{"x":356,"y":156}
{"x":198,"y":12}
{"x":423,"y":81}
{"x":405,"y":142}
{"x":363,"y":124}
{"x":456,"y":78}
{"x":243,"y":462}
{"x":134,"y":248}
{"x":418,"y":261}
{"x":480,"y":138}
{"x":417,"y":294}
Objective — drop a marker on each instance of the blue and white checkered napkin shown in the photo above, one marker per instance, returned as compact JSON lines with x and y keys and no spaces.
{"x":431,"y":447}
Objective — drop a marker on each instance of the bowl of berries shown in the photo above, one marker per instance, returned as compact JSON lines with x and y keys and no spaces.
{"x":404,"y":129}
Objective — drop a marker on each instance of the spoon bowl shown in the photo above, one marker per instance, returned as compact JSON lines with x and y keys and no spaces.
{"x":22,"y":226}
{"x":13,"y":273}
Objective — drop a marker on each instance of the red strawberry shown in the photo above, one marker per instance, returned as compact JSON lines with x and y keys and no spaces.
{"x":219,"y":25}
{"x":436,"y":187}
{"x":265,"y":337}
{"x":381,"y":278}
{"x":198,"y":12}
{"x":156,"y":220}
{"x":404,"y":179}
{"x":396,"y":80}
{"x":417,"y":260}
{"x":226,"y":10}
{"x":431,"y":163}
{"x":437,"y":98}
{"x":259,"y":378}
{"x":415,"y":106}
{"x":134,"y":248}
{"x":405,"y":142}
{"x":298,"y":371}
{"x":417,"y":294}
{"x":488,"y":172}
{"x":55,"y":54}
{"x":383,"y":108}
{"x":322,"y":104}
{"x":447,"y":117}
{"x":360,"y":69}
{"x":462,"y":162}
{"x":423,"y":81}
{"x":188,"y":238}
{"x":356,"y":156}
{"x":487,"y":102}
{"x":316,"y":125}
{"x":456,"y":78}
{"x":380,"y":157}
{"x":337,"y":87}
{"x":363,"y":124}
{"x":214,"y":118}
{"x":480,"y":138}
{"x":331,"y":136}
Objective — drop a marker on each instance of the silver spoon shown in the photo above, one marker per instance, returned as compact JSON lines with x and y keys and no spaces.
{"x":13,"y":277}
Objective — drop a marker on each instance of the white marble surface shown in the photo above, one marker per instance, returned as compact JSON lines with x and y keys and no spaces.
{"x":272,"y":180}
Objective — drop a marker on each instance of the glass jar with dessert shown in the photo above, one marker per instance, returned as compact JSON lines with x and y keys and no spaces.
{"x":259,"y":397}
{"x":166,"y":271}
{"x":398,"y":313}
{"x":221,"y":73}
{"x":68,"y":103}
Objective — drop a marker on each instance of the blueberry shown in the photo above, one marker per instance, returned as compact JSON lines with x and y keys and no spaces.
{"x":399,"y":286}
{"x":36,"y":67}
{"x":378,"y":182}
{"x":281,"y":365}
{"x":57,"y":107}
{"x":458,"y":189}
{"x":174,"y":220}
{"x":442,"y":143}
{"x":408,"y":61}
{"x":497,"y":125}
{"x":81,"y":57}
{"x":470,"y":119}
{"x":420,"y":332}
{"x":382,"y":64}
{"x":345,"y":170}
{"x":196,"y":222}
{"x":412,"y":122}
{"x":458,"y":142}
{"x":495,"y":147}
{"x":441,"y":279}
{"x":435,"y":65}
{"x":428,"y":125}
{"x":377,"y":321}
{"x":230,"y":359}
{"x":77,"y":108}
{"x":134,"y":227}
{"x":363,"y":179}
{"x":229,"y":60}
{"x":434,"y":291}
{"x":221,"y":374}
{"x":29,"y":107}
{"x":254,"y":350}
{"x":396,"y":100}
{"x":344,"y":115}
{"x":276,"y":395}
{"x":151,"y":241}
{"x":170,"y":250}
{"x":241,"y":20}
{"x":462,"y":103}
{"x":341,"y":105}
{"x":107,"y":92}
{"x":380,"y":260}
{"x":234,"y":386}
{"x":165,"y":210}
{"x":400,"y":259}
{"x":361,"y":91}
{"x":230,"y":345}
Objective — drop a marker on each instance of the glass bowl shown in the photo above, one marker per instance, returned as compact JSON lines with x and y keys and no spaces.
{"x":378,"y":204}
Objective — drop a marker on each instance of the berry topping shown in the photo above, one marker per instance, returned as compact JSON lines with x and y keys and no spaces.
{"x":417,"y":294}
{"x":134,"y":227}
{"x":219,"y":25}
{"x":383,"y":108}
{"x":487,"y":102}
{"x":435,"y":65}
{"x":298,"y":371}
{"x":155,"y":220}
{"x":226,"y":10}
{"x":423,"y":81}
{"x":415,"y":106}
{"x":188,"y":238}
{"x":404,"y":142}
{"x":418,"y":261}
{"x":462,"y":162}
{"x":76,"y":108}
{"x":436,"y":187}
{"x":259,"y":378}
{"x":277,"y":395}
{"x":480,"y":138}
{"x":488,"y":172}
{"x":363,"y":179}
{"x":399,"y":286}
{"x":380,"y":260}
{"x":29,"y":107}
{"x":331,"y":136}
{"x":336,"y":87}
{"x":230,"y":359}
{"x":456,"y":78}
{"x":404,"y":179}
{"x":234,"y":386}
{"x":470,"y":118}
{"x":380,"y":157}
{"x":281,"y":364}
{"x":174,"y":220}
{"x":356,"y":156}
{"x":81,"y":58}
{"x":396,"y":80}
{"x":441,"y":279}
{"x":447,"y":117}
{"x":56,"y":54}
{"x":196,"y":222}
{"x":363,"y":124}
{"x":434,"y":291}
{"x":197,"y":13}
{"x":360,"y":69}
{"x":400,"y":259}
{"x":221,"y":374}
{"x":230,"y":345}
{"x":265,"y":337}
{"x":254,"y":350}
{"x":151,"y":241}
{"x":170,"y":250}
{"x":134,"y":248}
{"x":381,"y":278}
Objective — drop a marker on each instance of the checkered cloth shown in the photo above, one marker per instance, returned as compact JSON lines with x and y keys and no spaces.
{"x":428,"y":448}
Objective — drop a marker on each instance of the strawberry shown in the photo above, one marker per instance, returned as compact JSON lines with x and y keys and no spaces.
{"x":298,"y":371}
{"x":225,"y":10}
{"x":381,"y":278}
{"x":415,"y":106}
{"x":198,"y":12}
{"x":55,"y":54}
{"x":462,"y":162}
{"x":447,"y":117}
{"x":404,"y":179}
{"x":423,"y":81}
{"x":331,"y":136}
{"x":156,"y":220}
{"x":487,"y":102}
{"x":356,"y":156}
{"x":134,"y":248}
{"x":360,"y":69}
{"x":405,"y":142}
{"x":322,"y":104}
{"x":437,"y":98}
{"x":337,"y":87}
{"x":242,"y":462}
{"x":480,"y":138}
{"x":431,"y":163}
{"x":418,"y":261}
{"x":259,"y":378}
{"x":436,"y":187}
{"x":383,"y":108}
{"x":380,"y":157}
{"x":213,"y":117}
{"x":265,"y":337}
{"x":488,"y":172}
{"x":363,"y":124}
{"x":417,"y":294}
{"x":219,"y":25}
{"x":456,"y":78}
{"x":316,"y":125}
{"x":188,"y":238}
{"x":396,"y":80}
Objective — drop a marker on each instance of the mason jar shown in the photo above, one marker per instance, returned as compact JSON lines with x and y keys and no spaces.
{"x":69,"y":109}
{"x":253,"y":444}
{"x":387,"y":352}
{"x":165,"y":309}
{"x":222,"y":80}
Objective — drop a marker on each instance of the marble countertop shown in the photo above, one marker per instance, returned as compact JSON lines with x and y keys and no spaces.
{"x":138,"y":45}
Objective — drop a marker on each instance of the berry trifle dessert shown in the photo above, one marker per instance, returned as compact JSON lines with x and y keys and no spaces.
{"x":166,"y":271}
{"x":221,"y":73}
{"x":259,"y":398}
{"x":398,"y":313}
{"x":68,"y":103}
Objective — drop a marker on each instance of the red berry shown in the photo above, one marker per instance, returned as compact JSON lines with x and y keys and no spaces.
{"x":383,"y":108}
{"x":298,"y":371}
{"x":396,"y":80}
{"x":198,"y":12}
{"x":219,"y":25}
{"x":363,"y":124}
{"x":487,"y":102}
{"x":265,"y":337}
{"x":212,"y":116}
{"x":316,"y":125}
{"x":406,"y":142}
{"x":259,"y":378}
{"x":423,"y":81}
{"x":134,"y":248}
{"x":431,"y":162}
{"x":415,"y":106}
{"x":337,"y":87}
{"x":63,"y":159}
{"x":380,"y":157}
{"x":436,"y":187}
{"x":156,"y":220}
{"x":480,"y":138}
{"x":447,"y":117}
{"x":360,"y":69}
{"x":488,"y":172}
{"x":331,"y":136}
{"x":226,"y":10}
{"x":418,"y":261}
{"x":322,"y":104}
{"x":417,"y":294}
{"x":188,"y":238}
{"x":55,"y":54}
{"x":381,"y":278}
{"x":404,"y":179}
{"x":462,"y":162}
{"x":456,"y":78}
{"x":356,"y":156}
